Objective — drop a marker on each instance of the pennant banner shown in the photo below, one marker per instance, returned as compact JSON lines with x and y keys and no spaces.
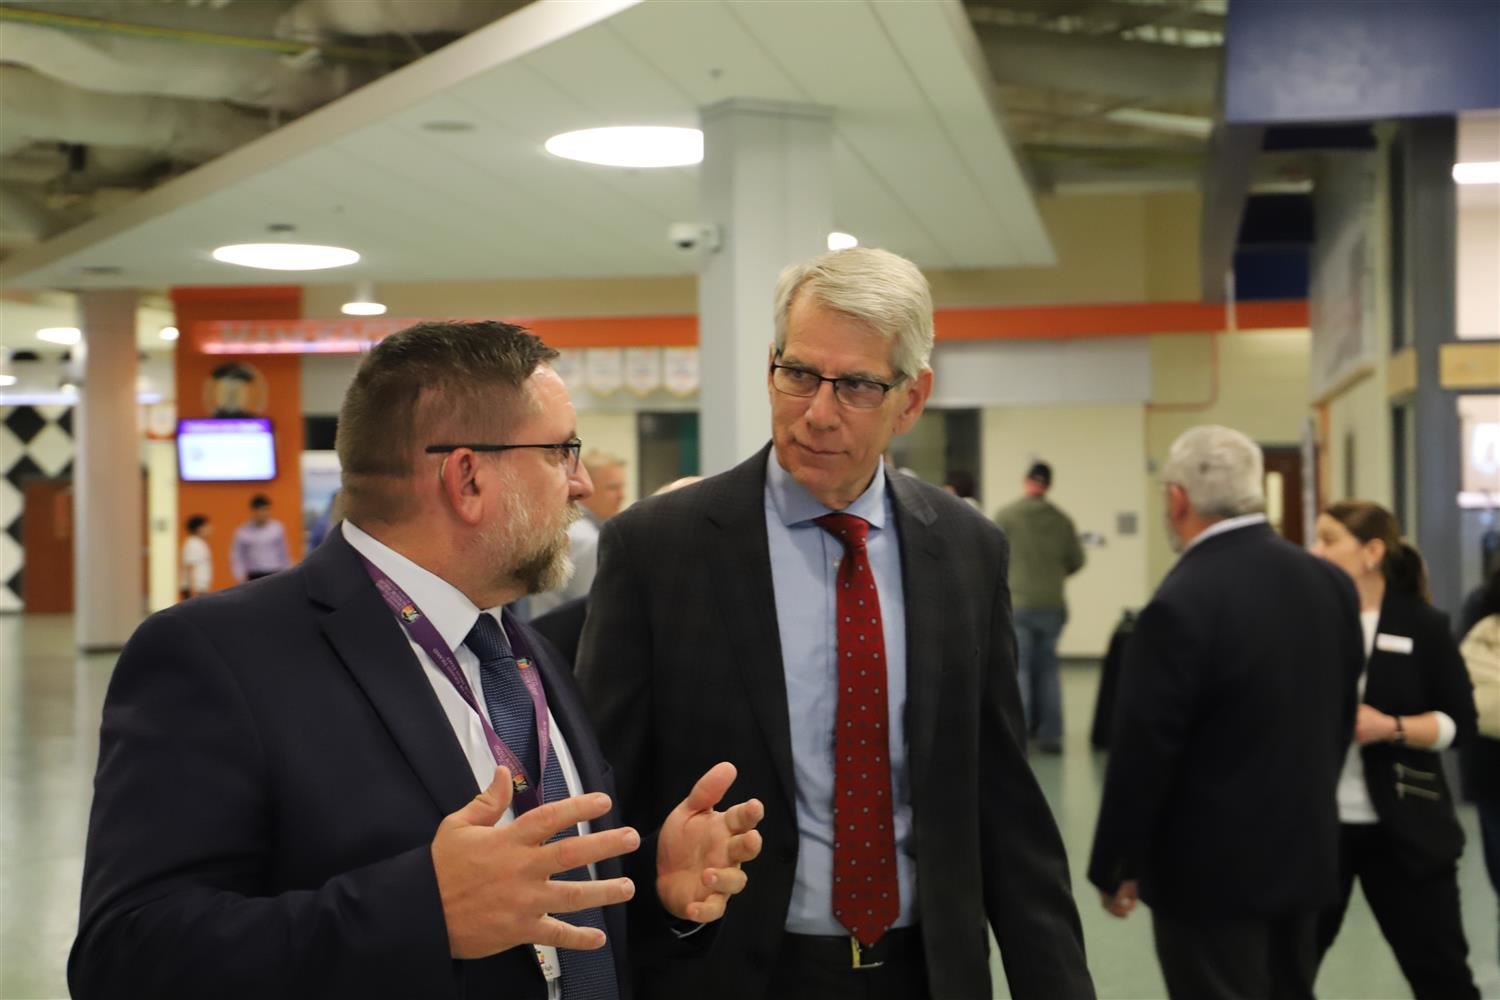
{"x":680,"y":370}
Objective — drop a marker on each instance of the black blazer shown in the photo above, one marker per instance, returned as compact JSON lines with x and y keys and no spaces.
{"x":1236,"y":708}
{"x":273,"y":764}
{"x":681,"y":668}
{"x":1406,"y":784}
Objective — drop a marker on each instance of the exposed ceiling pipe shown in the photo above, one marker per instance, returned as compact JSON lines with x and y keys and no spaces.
{"x":318,"y":20}
{"x":124,"y":64}
{"x":34,"y":108}
{"x":25,"y":221}
{"x":1121,"y":71}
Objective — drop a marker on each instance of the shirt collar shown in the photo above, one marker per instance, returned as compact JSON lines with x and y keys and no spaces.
{"x":450,"y":612}
{"x":794,"y":505}
{"x":1227,"y":525}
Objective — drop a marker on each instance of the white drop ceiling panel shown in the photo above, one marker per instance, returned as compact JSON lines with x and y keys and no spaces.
{"x":921,"y":161}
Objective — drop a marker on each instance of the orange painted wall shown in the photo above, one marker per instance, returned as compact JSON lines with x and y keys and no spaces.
{"x":227,"y":505}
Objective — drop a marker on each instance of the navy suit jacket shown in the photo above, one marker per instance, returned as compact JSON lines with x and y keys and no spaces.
{"x":273,"y":766}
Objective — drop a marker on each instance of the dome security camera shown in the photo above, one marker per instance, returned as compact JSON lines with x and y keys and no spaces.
{"x":694,"y":237}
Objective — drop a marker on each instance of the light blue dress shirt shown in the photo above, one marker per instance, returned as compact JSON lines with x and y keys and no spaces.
{"x":804,"y":564}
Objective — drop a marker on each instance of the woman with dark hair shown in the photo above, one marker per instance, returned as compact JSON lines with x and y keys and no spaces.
{"x":1480,"y":759}
{"x":1401,"y":838}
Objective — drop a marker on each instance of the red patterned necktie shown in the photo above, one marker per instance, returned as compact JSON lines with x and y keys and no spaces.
{"x":866,"y":893}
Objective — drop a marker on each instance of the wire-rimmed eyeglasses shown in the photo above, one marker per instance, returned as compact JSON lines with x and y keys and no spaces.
{"x":567,"y":452}
{"x":858,"y":393}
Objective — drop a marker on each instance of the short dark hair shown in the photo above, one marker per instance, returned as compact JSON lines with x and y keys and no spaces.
{"x":234,"y":370}
{"x":195,"y":522}
{"x":259,"y":501}
{"x":962,"y":481}
{"x":1040,"y":472}
{"x":429,"y":381}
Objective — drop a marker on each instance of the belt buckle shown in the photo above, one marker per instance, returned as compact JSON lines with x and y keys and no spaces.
{"x":857,"y":955}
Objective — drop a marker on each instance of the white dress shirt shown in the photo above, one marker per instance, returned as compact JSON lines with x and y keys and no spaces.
{"x":453,"y":615}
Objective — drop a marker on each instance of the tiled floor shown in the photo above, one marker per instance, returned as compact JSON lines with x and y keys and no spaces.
{"x":49,"y":717}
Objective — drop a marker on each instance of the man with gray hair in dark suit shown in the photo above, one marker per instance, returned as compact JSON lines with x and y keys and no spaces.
{"x":843,"y":634}
{"x":1236,"y":707}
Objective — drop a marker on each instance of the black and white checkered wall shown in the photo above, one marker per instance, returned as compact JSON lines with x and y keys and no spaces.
{"x":35,"y":441}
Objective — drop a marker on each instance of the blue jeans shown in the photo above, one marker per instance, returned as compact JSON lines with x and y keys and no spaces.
{"x":1037,"y":630}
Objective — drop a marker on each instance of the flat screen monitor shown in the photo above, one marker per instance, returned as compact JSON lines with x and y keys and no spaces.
{"x":229,"y":450}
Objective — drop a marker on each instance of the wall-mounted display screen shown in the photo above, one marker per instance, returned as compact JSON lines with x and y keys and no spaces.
{"x":239,"y":450}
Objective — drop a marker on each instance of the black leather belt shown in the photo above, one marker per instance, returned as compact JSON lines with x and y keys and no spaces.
{"x":897,"y":946}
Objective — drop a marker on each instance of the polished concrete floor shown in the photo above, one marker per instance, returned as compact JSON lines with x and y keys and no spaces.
{"x":49,"y":719}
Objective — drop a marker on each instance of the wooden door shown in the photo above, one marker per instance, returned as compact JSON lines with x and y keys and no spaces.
{"x":47,"y":541}
{"x":1284,"y":492}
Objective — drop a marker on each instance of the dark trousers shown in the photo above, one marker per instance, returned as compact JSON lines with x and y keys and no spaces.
{"x":819,"y":968}
{"x":1238,"y":959}
{"x":1489,"y":832}
{"x":1417,"y":910}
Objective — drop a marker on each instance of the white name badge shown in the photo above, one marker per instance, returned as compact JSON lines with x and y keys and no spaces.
{"x":1393,"y":643}
{"x":546,"y":957}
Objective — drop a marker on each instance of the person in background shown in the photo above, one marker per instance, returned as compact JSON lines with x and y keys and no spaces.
{"x":331,"y":516}
{"x":259,"y":547}
{"x":960,"y":482}
{"x":1480,"y":759}
{"x":1044,"y":551}
{"x":608,"y":474}
{"x":1235,"y":706}
{"x":1399,"y":834}
{"x":197,"y":559}
{"x":842,"y":632}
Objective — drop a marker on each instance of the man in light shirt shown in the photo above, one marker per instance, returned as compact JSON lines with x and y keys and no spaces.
{"x":259,"y":547}
{"x":197,"y":558}
{"x":607,"y":472}
{"x":361,"y":777}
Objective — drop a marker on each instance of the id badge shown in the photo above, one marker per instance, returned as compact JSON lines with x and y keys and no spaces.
{"x":546,"y":958}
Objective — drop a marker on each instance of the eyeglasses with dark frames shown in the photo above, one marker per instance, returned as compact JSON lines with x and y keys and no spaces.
{"x":857,"y":393}
{"x":567,"y":452}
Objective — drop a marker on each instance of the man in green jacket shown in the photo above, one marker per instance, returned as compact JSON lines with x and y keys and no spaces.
{"x":1044,"y":551}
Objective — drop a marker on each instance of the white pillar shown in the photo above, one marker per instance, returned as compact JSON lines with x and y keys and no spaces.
{"x":107,"y":505}
{"x":766,"y":182}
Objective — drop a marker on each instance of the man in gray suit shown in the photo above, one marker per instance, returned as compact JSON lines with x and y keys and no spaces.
{"x":844,"y":635}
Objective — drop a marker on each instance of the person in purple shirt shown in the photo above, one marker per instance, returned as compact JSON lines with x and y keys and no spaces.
{"x":259,"y":547}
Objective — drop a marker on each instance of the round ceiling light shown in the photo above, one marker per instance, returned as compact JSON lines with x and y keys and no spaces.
{"x":168,"y":333}
{"x":286,"y":256}
{"x":66,"y":335}
{"x":363,"y":308}
{"x":841,"y":241}
{"x":630,"y":146}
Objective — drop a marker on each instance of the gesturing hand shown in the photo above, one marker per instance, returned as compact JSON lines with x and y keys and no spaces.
{"x":700,"y":850}
{"x":495,"y":882}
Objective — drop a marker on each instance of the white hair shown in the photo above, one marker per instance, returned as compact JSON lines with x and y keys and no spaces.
{"x":1221,"y":470}
{"x":886,"y":292}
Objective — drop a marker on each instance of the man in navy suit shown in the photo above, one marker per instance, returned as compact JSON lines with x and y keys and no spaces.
{"x":298,"y":791}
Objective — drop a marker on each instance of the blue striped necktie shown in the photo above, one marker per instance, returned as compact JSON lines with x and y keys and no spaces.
{"x":586,"y":975}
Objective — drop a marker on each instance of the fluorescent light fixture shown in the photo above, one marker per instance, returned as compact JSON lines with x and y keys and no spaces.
{"x":7,"y":380}
{"x":630,"y":146}
{"x":66,"y":335}
{"x":1162,"y":121}
{"x":842,"y":241}
{"x":168,"y":333}
{"x":286,"y":256}
{"x":58,"y":397}
{"x":1477,"y":173}
{"x":364,"y":302}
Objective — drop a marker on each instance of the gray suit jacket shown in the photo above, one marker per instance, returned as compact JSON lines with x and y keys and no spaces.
{"x":681,"y":668}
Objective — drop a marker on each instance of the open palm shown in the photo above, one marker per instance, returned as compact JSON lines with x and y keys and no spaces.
{"x":701,"y":850}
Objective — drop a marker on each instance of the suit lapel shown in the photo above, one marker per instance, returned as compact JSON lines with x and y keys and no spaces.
{"x":748,"y":604}
{"x":374,"y":649}
{"x":924,"y":582}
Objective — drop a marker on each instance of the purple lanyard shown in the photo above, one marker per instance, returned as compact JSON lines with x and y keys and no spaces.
{"x":528,"y":793}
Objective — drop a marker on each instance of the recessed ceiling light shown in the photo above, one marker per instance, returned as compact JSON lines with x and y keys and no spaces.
{"x":630,"y":146}
{"x":286,"y":256}
{"x":1477,"y":173}
{"x":101,"y":269}
{"x":168,"y":333}
{"x":7,"y":380}
{"x":68,"y":335}
{"x":448,"y":126}
{"x":364,"y":302}
{"x":841,"y":241}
